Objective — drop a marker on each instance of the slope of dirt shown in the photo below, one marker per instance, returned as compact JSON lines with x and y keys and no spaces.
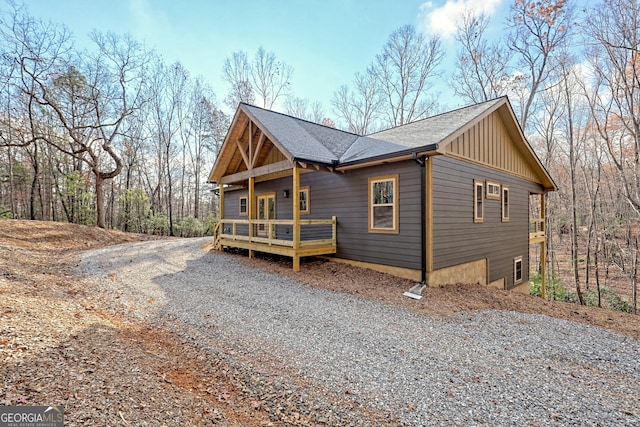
{"x":60,"y":346}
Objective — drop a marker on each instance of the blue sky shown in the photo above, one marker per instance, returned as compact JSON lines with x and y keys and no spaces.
{"x":326,"y":41}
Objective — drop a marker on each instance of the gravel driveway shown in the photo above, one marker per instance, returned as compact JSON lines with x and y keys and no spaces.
{"x":349,"y":360}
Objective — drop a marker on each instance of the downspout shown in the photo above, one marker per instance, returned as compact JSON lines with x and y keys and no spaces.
{"x":416,"y":291}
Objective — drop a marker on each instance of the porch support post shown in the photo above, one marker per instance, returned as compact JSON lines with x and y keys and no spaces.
{"x":221,"y":203}
{"x":296,"y":216}
{"x":220,"y":213}
{"x":250,"y":211}
{"x":543,"y":249}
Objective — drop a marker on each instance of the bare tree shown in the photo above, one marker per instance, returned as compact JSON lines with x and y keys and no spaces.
{"x":264,"y":79}
{"x":204,"y":133}
{"x":296,"y":107}
{"x":168,"y":96}
{"x":614,"y":31}
{"x":571,"y":120}
{"x":537,"y":29}
{"x":404,"y":70}
{"x":360,"y":107}
{"x":482,"y":71}
{"x":299,"y":107}
{"x":237,"y":73}
{"x":87,"y":102}
{"x":271,"y":77}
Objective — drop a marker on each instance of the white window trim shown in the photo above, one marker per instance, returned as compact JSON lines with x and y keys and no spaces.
{"x":246,"y":204}
{"x":505,"y":210}
{"x":308,"y":210}
{"x":494,"y":196}
{"x":478,"y":216}
{"x":517,"y":260}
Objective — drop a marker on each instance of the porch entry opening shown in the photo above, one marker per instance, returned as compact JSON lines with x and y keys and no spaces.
{"x":266,"y":211}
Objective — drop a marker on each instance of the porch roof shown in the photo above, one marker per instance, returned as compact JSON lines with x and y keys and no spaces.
{"x":313,"y":142}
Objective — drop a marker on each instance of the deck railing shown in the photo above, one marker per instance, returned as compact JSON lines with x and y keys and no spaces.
{"x":536,"y":228}
{"x":279,"y":232}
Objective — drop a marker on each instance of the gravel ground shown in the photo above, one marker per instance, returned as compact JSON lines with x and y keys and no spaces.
{"x":348,"y":361}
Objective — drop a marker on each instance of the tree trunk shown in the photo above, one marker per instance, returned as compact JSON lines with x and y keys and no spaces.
{"x":196,"y":202}
{"x":574,"y":217}
{"x":597,"y":272}
{"x":12,"y":203}
{"x":100,"y":214}
{"x":634,"y":280}
{"x":34,"y":183}
{"x":169,"y":193}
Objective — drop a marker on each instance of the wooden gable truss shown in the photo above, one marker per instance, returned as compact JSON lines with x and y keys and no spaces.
{"x":249,"y":151}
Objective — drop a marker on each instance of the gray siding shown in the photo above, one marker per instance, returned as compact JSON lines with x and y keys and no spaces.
{"x":457,"y":239}
{"x":345,"y":195}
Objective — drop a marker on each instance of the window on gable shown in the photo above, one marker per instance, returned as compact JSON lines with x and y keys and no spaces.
{"x":517,"y":270}
{"x":242,"y":205}
{"x":505,"y":204}
{"x":304,"y":200}
{"x":478,"y":201}
{"x":493,"y":190}
{"x":383,"y":204}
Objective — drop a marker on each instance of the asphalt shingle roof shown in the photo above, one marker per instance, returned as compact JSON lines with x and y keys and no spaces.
{"x":303,"y":139}
{"x":434,"y":129}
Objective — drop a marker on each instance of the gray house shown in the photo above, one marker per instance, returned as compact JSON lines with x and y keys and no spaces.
{"x":454,"y":198}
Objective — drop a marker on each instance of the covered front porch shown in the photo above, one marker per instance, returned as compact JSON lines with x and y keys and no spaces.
{"x":253,"y":158}
{"x":261,"y":231}
{"x":315,"y":237}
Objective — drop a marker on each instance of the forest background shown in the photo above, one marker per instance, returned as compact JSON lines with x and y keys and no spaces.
{"x":112,"y":135}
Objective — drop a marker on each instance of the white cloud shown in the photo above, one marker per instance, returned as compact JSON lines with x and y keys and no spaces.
{"x":441,"y":20}
{"x":141,"y":11}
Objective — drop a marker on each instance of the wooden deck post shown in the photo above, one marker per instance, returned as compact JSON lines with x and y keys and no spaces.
{"x":250,"y":209}
{"x":221,"y":212}
{"x":334,"y":230}
{"x":296,"y":216}
{"x":221,"y":202}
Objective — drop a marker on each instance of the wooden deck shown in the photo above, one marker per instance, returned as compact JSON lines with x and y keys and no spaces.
{"x":263,"y":236}
{"x":536,"y":231}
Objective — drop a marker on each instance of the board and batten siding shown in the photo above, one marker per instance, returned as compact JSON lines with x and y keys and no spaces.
{"x":458,"y":239}
{"x":345,"y":196}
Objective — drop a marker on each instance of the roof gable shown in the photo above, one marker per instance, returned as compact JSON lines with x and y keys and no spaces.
{"x":495,"y":139}
{"x":486,"y":133}
{"x":300,"y":139}
{"x":435,"y":129}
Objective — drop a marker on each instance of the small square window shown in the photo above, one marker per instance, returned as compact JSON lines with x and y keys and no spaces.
{"x":243,"y":205}
{"x":517,"y":270}
{"x":304,"y":200}
{"x":478,"y":201}
{"x":493,"y":190}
